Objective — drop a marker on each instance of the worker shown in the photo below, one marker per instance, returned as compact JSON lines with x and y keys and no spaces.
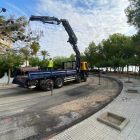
{"x":50,"y":64}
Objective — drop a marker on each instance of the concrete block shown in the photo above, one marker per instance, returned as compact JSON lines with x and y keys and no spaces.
{"x":132,"y":91}
{"x":113,"y":120}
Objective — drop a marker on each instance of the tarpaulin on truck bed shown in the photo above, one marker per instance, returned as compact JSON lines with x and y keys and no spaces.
{"x":24,"y":69}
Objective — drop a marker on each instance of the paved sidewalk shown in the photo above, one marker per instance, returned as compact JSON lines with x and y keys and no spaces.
{"x":4,"y":85}
{"x":126,"y":105}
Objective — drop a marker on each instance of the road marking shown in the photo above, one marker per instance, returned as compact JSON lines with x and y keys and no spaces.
{"x":49,"y":136}
{"x":7,"y":120}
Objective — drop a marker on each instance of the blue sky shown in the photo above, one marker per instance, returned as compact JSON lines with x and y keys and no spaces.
{"x":91,"y":20}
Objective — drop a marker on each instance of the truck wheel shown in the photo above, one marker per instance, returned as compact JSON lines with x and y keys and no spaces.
{"x":59,"y":82}
{"x":85,"y":78}
{"x":87,"y":73}
{"x":78,"y":79}
{"x":37,"y":86}
{"x":45,"y":85}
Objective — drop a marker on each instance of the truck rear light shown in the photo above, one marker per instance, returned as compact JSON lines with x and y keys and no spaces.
{"x":27,"y":83}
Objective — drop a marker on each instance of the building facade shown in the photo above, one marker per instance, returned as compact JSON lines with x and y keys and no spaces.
{"x":5,"y":43}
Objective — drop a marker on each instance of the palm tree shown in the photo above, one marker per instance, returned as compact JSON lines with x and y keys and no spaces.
{"x":44,"y":53}
{"x":35,"y":48}
{"x":25,"y":53}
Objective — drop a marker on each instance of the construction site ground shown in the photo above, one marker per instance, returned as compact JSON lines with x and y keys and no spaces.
{"x":126,"y":105}
{"x":35,"y":114}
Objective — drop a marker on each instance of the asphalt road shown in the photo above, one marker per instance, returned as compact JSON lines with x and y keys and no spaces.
{"x":35,"y":114}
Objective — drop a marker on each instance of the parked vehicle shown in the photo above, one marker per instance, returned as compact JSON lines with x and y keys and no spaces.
{"x":71,"y":70}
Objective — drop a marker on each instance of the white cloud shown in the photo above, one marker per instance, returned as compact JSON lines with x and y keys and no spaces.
{"x":97,"y":22}
{"x":101,"y":2}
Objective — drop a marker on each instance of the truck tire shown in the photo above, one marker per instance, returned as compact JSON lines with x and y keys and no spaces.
{"x":85,"y":78}
{"x":45,"y":86}
{"x":37,"y":86}
{"x":59,"y":83}
{"x":87,"y":73}
{"x":78,"y":79}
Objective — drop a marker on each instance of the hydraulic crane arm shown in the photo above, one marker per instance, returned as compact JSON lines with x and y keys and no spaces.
{"x":72,"y":37}
{"x":45,"y":19}
{"x":52,"y":20}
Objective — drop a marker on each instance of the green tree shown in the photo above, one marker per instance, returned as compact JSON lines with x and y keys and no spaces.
{"x":117,"y":46}
{"x":133,"y":18}
{"x":122,"y":63}
{"x":128,"y":50}
{"x":136,"y":57}
{"x":34,"y":61}
{"x":35,"y":48}
{"x":57,"y":61}
{"x":44,"y":53}
{"x":82,"y":55}
{"x":10,"y":61}
{"x":43,"y":64}
{"x":13,"y":28}
{"x":72,"y":57}
{"x":26,"y":53}
{"x":103,"y":64}
{"x":89,"y":54}
{"x":113,"y":45}
{"x":133,"y":13}
{"x":16,"y":29}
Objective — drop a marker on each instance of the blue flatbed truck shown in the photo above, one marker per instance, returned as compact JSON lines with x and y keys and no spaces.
{"x":71,"y":70}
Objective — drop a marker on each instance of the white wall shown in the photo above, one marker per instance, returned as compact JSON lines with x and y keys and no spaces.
{"x":4,"y":79}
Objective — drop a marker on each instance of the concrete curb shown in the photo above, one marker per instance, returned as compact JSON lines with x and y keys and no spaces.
{"x":91,"y":129}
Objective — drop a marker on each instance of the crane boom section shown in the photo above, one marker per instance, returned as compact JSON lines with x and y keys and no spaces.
{"x":72,"y":37}
{"x":45,"y":19}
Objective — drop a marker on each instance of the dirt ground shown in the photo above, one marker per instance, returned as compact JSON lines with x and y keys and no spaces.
{"x":35,"y":114}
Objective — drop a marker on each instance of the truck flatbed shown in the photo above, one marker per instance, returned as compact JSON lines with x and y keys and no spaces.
{"x":22,"y":79}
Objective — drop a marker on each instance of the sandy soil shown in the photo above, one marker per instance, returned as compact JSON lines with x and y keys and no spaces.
{"x":35,"y":114}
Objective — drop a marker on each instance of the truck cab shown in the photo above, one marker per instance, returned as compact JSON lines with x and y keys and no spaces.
{"x":84,"y":66}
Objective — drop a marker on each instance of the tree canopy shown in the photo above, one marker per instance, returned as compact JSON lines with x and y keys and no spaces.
{"x":13,"y":28}
{"x":44,"y":53}
{"x":133,"y":13}
{"x":116,"y":51}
